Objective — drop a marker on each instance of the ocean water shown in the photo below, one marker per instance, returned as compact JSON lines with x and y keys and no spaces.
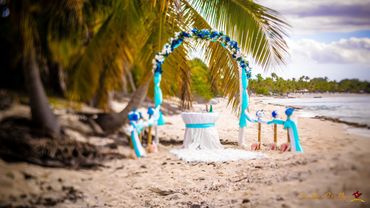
{"x":351,"y":108}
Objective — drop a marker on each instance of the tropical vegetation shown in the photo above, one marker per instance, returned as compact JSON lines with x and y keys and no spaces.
{"x":202,"y":86}
{"x":276,"y":85}
{"x":88,"y":50}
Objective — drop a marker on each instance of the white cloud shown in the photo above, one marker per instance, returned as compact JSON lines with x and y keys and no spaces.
{"x":314,"y":20}
{"x":344,"y":51}
{"x":346,"y":58}
{"x":307,"y":17}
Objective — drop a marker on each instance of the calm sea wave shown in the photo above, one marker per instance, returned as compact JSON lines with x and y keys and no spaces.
{"x":352,"y":108}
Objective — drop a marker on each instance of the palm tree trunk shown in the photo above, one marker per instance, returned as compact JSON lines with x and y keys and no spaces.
{"x":130,"y":78}
{"x":41,"y":113}
{"x":139,"y":95}
{"x":113,"y":121}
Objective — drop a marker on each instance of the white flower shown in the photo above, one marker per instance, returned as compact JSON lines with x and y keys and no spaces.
{"x":130,"y":128}
{"x":159,"y":58}
{"x":177,"y":34}
{"x":238,"y":54}
{"x":260,"y":113}
{"x":166,"y":49}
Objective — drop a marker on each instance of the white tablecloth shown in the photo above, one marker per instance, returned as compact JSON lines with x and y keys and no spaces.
{"x":203,"y":144}
{"x":201,"y":138}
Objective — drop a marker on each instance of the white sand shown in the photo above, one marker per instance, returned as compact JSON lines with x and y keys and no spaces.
{"x":334,"y":161}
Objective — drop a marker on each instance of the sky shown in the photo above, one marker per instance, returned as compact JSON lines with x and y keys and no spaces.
{"x":327,"y":38}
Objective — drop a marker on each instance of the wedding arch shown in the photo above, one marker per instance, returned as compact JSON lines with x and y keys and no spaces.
{"x":214,"y":36}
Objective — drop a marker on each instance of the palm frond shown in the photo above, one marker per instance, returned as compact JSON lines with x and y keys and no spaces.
{"x":259,"y":30}
{"x":111,"y":41}
{"x":191,"y":17}
{"x":65,"y":17}
{"x":185,"y":83}
{"x":176,"y":70}
{"x":223,"y":71}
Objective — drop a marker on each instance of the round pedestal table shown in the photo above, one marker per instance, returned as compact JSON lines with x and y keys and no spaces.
{"x":200,"y":131}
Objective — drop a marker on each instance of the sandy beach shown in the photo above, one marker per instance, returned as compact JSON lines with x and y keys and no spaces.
{"x":334,"y":165}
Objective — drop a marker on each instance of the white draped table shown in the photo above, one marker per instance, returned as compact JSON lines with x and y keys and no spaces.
{"x":202,"y":143}
{"x":200,"y":132}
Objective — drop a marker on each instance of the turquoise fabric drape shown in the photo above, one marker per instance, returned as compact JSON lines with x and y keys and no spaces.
{"x":137,"y":151}
{"x":135,"y":141}
{"x":244,"y":102}
{"x":200,"y":126}
{"x":289,"y":124}
{"x":158,"y":96}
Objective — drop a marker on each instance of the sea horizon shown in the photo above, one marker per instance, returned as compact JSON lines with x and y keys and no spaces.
{"x":343,"y":107}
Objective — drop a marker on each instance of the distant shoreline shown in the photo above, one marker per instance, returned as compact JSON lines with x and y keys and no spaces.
{"x":336,"y":120}
{"x":313,"y":95}
{"x":318,"y":96}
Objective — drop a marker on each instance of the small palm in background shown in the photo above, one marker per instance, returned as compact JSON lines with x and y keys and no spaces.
{"x":202,"y":88}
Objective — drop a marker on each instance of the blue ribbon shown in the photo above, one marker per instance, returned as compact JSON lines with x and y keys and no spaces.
{"x":200,"y":126}
{"x":276,"y":121}
{"x":244,"y":102}
{"x":289,"y":124}
{"x":158,"y":96}
{"x":248,"y":118}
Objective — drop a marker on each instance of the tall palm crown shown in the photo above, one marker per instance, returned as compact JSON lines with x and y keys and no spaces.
{"x":131,"y":32}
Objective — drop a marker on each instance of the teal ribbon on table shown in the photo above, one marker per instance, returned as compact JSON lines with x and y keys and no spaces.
{"x":158,"y":96}
{"x":200,"y":126}
{"x":244,"y":102}
{"x":289,"y":124}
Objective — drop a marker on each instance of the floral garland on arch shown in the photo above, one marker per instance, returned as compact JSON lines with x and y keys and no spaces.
{"x":204,"y":34}
{"x":214,"y":36}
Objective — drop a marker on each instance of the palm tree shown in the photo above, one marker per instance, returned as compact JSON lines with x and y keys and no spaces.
{"x":136,"y":30}
{"x":36,"y":22}
{"x":274,"y":76}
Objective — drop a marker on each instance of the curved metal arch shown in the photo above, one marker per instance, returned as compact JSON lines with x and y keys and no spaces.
{"x":214,"y":36}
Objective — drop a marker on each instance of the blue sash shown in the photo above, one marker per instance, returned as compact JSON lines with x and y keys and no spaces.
{"x":200,"y":126}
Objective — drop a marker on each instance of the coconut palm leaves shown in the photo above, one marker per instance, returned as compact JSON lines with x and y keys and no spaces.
{"x":260,"y":34}
{"x":94,"y":40}
{"x":259,"y":30}
{"x":97,"y":71}
{"x":135,"y":30}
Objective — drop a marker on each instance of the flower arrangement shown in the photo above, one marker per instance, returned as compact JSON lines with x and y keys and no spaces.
{"x":204,"y":34}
